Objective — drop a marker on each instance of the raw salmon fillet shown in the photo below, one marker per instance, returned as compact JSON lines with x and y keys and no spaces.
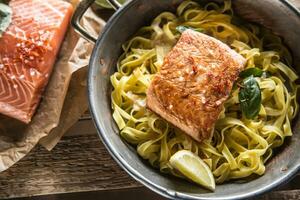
{"x":194,"y":82}
{"x":28,"y":51}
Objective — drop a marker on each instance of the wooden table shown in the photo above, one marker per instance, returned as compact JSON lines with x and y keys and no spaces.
{"x":79,"y":167}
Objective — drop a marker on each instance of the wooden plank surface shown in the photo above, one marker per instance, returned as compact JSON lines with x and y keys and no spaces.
{"x":76,"y":164}
{"x":282,"y":195}
{"x":80,"y":163}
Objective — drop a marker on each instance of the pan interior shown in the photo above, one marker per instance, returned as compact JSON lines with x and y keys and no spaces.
{"x":119,"y":29}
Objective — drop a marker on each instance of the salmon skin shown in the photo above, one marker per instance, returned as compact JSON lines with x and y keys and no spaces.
{"x":195,"y":80}
{"x":28,"y":51}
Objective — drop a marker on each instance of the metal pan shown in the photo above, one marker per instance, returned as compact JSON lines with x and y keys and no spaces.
{"x":278,"y":15}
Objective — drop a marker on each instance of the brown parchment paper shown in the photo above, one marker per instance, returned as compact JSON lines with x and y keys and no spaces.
{"x":61,"y":105}
{"x":76,"y":102}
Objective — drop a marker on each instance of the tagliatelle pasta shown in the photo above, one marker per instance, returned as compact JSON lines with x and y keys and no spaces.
{"x":239,"y":147}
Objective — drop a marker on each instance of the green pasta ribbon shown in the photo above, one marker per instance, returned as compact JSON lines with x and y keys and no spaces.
{"x":240,"y":147}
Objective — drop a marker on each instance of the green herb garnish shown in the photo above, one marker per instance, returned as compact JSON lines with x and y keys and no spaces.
{"x":5,"y":16}
{"x":254,"y":71}
{"x":250,"y":97}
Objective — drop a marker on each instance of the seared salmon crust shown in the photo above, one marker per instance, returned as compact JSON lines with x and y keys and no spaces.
{"x":194,"y":81}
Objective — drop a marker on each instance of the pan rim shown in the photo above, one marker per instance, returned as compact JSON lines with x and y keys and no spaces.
{"x":127,"y":167}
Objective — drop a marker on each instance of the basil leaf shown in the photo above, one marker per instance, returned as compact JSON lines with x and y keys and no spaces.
{"x":250,"y":97}
{"x":181,"y":29}
{"x":256,"y":72}
{"x":5,"y":17}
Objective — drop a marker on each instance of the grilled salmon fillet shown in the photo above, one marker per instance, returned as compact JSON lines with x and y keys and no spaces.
{"x":194,"y":82}
{"x":28,"y":52}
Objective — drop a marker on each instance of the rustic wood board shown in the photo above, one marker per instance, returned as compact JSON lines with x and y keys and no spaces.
{"x":80,"y":163}
{"x":76,"y":164}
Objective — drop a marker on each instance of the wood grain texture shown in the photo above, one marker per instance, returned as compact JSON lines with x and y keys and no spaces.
{"x":79,"y":163}
{"x":282,"y":195}
{"x":76,"y":164}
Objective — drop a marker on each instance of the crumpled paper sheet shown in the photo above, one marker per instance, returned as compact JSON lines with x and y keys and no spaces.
{"x":76,"y":102}
{"x":61,"y":105}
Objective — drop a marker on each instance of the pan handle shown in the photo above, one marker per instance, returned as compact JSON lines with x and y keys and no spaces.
{"x":115,"y":4}
{"x":79,"y":12}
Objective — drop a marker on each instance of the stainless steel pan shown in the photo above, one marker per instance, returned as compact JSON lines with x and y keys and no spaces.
{"x":278,"y":15}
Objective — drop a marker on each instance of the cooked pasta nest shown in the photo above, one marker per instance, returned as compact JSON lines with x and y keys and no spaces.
{"x":239,"y":147}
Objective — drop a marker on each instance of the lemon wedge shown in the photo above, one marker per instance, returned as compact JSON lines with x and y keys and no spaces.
{"x":193,"y":168}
